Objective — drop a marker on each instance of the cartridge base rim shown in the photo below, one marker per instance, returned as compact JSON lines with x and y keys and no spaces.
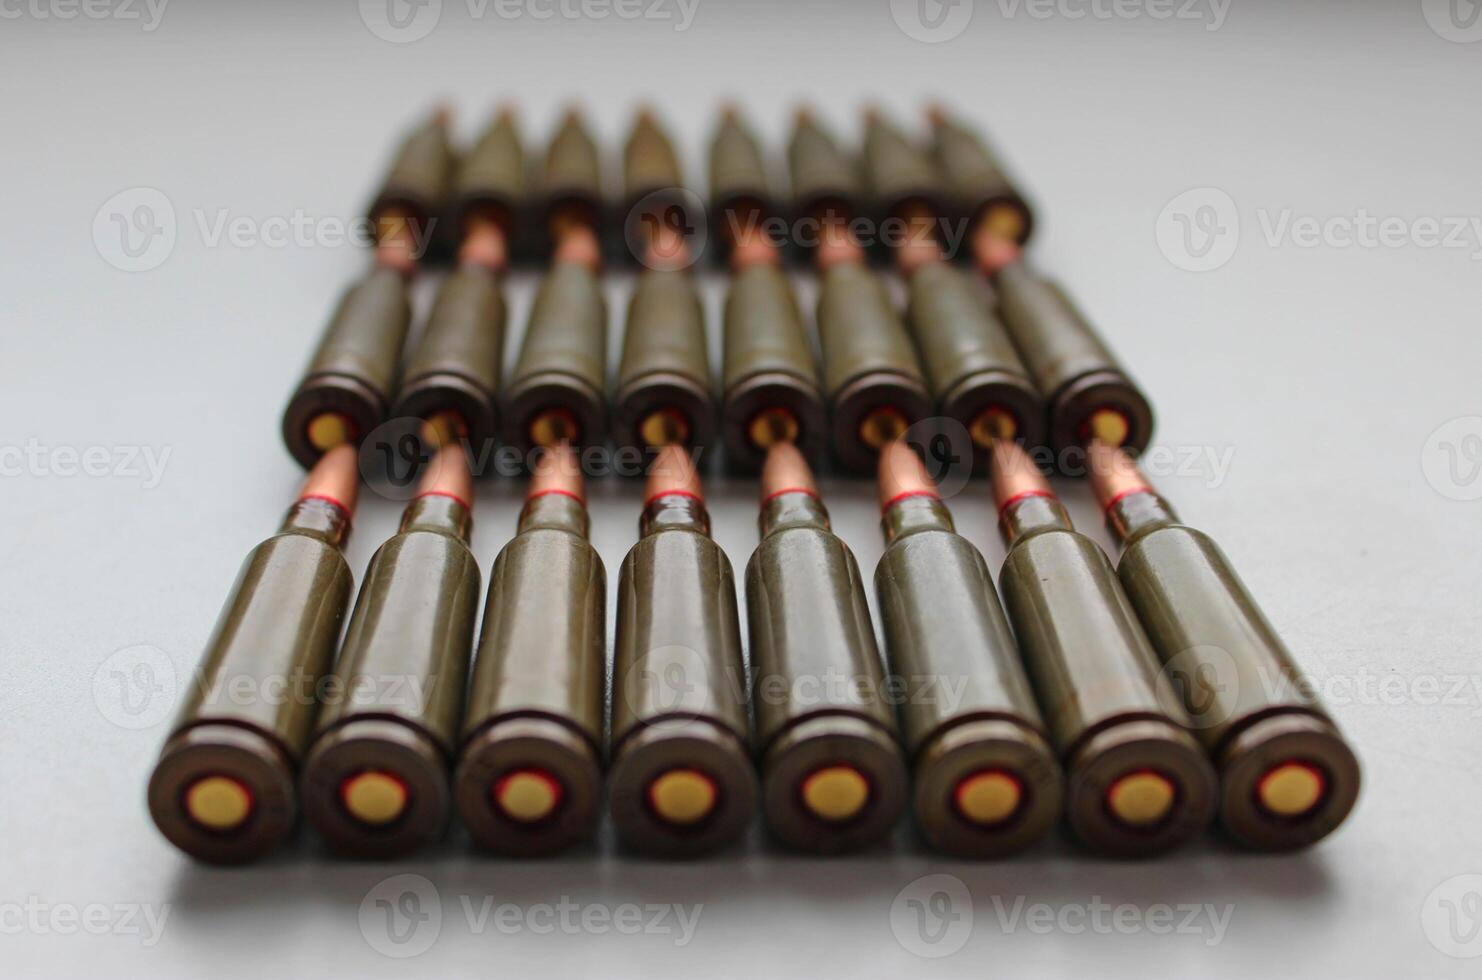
{"x":528,"y":743}
{"x":1127,"y":748}
{"x":977,"y":392}
{"x":383,"y":745}
{"x":976,"y":746}
{"x":1268,"y":743}
{"x":681,"y":744}
{"x":772,"y":389}
{"x":657,"y":391}
{"x":216,"y":749}
{"x":329,"y":393}
{"x":554,"y":390}
{"x":433,"y":393}
{"x":1078,"y":398}
{"x":822,"y":742}
{"x":856,"y":400}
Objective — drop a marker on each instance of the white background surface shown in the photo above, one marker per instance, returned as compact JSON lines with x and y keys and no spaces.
{"x":1324,"y":370}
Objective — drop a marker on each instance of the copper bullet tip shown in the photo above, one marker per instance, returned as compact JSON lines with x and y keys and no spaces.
{"x":448,"y":476}
{"x":1014,"y":473}
{"x":442,"y":115}
{"x":872,"y":115}
{"x":786,"y":469}
{"x":335,"y":477}
{"x":902,"y":474}
{"x":673,"y":472}
{"x":558,"y":471}
{"x":506,"y":112}
{"x":484,"y":244}
{"x":936,"y":114}
{"x":730,"y":113}
{"x":804,"y":115}
{"x":1113,"y":474}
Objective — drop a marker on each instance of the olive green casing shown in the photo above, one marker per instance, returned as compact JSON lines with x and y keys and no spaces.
{"x":536,"y":700}
{"x":739,"y":189}
{"x":971,"y":365}
{"x":967,"y":706}
{"x":899,"y":172}
{"x":679,"y":687}
{"x":492,"y":174}
{"x":1071,"y":366}
{"x":250,"y":709}
{"x":1098,"y":682}
{"x":455,"y":364}
{"x":975,"y":181}
{"x":869,"y":362}
{"x":570,"y":177}
{"x":399,"y":685}
{"x":1249,"y":703}
{"x":354,"y":369}
{"x":824,"y":178}
{"x":653,"y":184}
{"x":665,"y":364}
{"x":563,"y":358}
{"x":420,"y":182}
{"x":768,"y":364}
{"x":819,"y":685}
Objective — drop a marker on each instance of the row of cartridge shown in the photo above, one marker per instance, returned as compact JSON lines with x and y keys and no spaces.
{"x":1135,"y":703}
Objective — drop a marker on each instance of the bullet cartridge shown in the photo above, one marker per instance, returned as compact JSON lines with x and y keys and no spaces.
{"x":901,"y":174}
{"x":741,"y":198}
{"x":664,"y":392}
{"x":347,"y":388}
{"x":682,"y":778}
{"x":1288,"y":777}
{"x":1087,"y":392}
{"x":375,"y":782}
{"x":987,"y":780}
{"x":453,"y":372}
{"x":825,"y":180}
{"x":1137,"y":783}
{"x":419,"y":184}
{"x":974,"y":373}
{"x":570,"y":182}
{"x":771,"y":381}
{"x":871,"y":377}
{"x":557,"y":391}
{"x":654,"y":191}
{"x":223,"y":789}
{"x":979,"y":189}
{"x":491,"y":177}
{"x":833,"y":777}
{"x":529,"y":779}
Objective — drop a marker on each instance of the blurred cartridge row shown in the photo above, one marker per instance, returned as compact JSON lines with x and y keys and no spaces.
{"x":1017,"y":360}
